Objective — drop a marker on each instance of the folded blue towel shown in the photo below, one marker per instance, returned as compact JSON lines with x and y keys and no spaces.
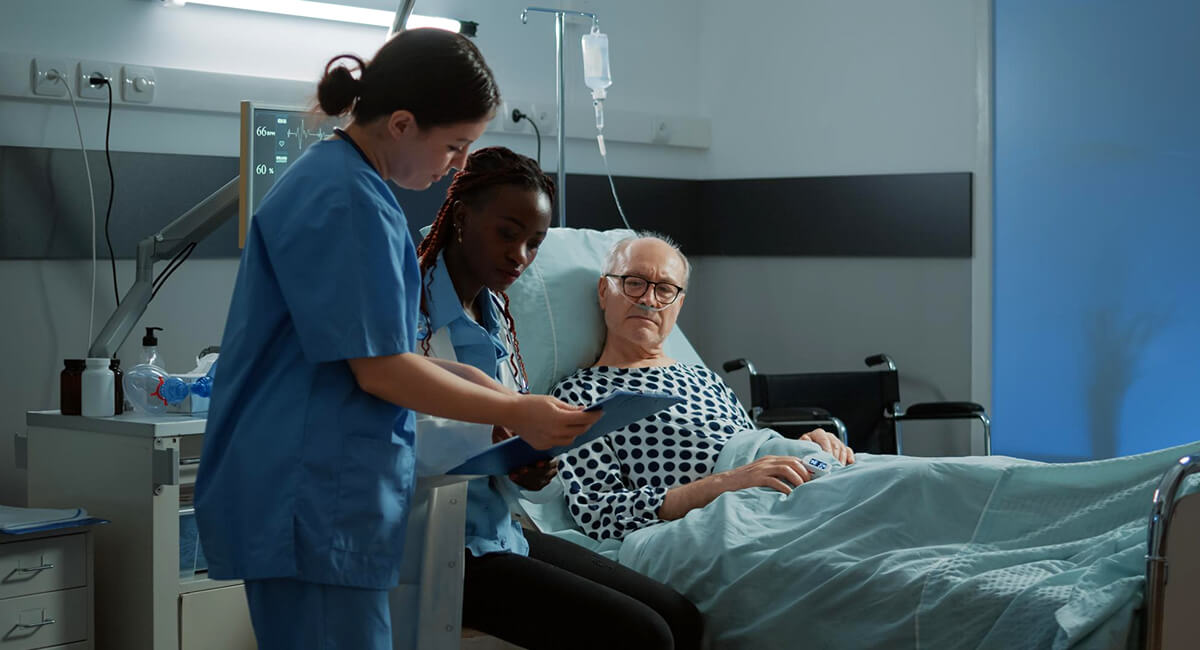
{"x":27,"y":520}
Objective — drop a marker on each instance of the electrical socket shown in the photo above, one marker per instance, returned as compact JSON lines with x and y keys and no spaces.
{"x":506,"y":111}
{"x":546,"y":116}
{"x":43,"y":84}
{"x":88,"y":69}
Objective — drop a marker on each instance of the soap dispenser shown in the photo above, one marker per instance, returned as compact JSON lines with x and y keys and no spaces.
{"x":150,"y":348}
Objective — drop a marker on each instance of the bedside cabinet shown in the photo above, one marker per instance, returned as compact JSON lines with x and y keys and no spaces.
{"x":46,"y":590}
{"x":152,"y":590}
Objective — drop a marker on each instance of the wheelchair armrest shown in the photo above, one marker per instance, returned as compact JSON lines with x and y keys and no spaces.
{"x":880,"y":360}
{"x":942,"y":411}
{"x":794,"y":414}
{"x":738,"y":364}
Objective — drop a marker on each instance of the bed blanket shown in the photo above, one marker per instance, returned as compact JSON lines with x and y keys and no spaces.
{"x":897,"y":552}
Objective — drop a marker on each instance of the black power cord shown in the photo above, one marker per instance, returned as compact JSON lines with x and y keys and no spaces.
{"x":183,"y":253}
{"x":517,"y":116}
{"x":174,"y":264}
{"x":96,"y":80}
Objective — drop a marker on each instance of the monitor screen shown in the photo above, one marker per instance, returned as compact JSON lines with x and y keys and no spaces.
{"x":272,"y":138}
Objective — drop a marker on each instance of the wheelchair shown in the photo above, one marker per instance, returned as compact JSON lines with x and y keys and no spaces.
{"x":862,"y":406}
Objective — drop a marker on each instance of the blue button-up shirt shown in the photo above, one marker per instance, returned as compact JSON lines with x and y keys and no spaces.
{"x":304,"y":474}
{"x":490,"y":526}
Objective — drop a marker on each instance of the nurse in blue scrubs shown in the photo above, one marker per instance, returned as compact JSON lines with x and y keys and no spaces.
{"x":308,"y":455}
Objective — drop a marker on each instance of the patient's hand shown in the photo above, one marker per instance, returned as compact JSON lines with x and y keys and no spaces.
{"x":500,"y":434}
{"x":536,"y":476}
{"x":777,"y":472}
{"x":531,"y":477}
{"x":831,"y":444}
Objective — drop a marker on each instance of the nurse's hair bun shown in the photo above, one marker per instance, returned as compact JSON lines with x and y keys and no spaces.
{"x":338,"y":89}
{"x":438,"y":76}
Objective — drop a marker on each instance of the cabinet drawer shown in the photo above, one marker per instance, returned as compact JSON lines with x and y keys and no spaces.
{"x":41,"y":565}
{"x":25,"y":622}
{"x":215,"y":618}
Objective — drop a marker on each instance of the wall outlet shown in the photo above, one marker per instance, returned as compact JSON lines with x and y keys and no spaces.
{"x":546,"y":116}
{"x":45,"y":83}
{"x":137,"y":84}
{"x":506,"y":111}
{"x":88,"y":69}
{"x":660,"y":131}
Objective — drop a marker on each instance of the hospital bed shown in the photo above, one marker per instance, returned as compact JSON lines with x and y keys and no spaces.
{"x":554,"y":305}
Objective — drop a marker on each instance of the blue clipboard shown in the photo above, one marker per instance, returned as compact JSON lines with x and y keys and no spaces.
{"x":621,"y":408}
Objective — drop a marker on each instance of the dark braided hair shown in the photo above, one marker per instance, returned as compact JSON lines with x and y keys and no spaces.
{"x":485,"y":170}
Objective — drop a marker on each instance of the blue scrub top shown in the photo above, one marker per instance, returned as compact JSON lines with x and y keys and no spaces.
{"x":304,"y":474}
{"x":490,"y":525}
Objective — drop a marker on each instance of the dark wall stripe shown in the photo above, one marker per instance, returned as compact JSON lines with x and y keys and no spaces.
{"x":896,"y":215}
{"x":44,"y":212}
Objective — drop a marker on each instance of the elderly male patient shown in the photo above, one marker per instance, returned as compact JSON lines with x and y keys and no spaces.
{"x":884,"y":552}
{"x":661,"y":467}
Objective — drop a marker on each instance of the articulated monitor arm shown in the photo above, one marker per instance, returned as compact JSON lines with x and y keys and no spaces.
{"x":193,"y":226}
{"x":403,"y":11}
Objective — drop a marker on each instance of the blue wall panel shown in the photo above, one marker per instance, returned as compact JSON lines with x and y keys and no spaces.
{"x":1097,"y":227}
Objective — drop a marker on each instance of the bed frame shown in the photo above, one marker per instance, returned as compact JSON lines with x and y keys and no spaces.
{"x":1172,"y":563}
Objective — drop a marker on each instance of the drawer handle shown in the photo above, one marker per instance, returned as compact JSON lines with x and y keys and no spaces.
{"x":35,"y":569}
{"x":44,"y":622}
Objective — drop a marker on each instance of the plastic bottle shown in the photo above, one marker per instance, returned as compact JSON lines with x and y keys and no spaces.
{"x":98,"y":393}
{"x":118,"y":386}
{"x":150,"y":348}
{"x":70,"y":386}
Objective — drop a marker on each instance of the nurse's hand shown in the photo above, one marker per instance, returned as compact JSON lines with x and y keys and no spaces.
{"x":546,"y":422}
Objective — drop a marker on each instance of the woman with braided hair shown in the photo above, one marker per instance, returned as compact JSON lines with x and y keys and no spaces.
{"x":531,"y":589}
{"x":308,"y":465}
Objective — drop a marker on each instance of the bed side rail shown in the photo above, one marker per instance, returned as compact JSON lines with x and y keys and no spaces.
{"x":1161,"y":513}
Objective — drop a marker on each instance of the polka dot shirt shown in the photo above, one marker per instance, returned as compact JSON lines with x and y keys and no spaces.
{"x":616,"y":484}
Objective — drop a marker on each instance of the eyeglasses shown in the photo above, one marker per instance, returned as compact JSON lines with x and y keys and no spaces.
{"x":636,"y":286}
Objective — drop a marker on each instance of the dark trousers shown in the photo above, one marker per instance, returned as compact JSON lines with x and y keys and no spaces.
{"x":565,"y":596}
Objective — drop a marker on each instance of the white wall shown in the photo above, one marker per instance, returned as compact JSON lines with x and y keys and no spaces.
{"x":793,"y":87}
{"x":833,"y":87}
{"x":214,"y":39}
{"x":47,"y":304}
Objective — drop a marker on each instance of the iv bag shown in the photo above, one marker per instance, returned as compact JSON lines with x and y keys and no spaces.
{"x":595,"y":62}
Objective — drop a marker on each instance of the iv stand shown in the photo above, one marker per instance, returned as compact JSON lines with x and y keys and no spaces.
{"x":560,"y":22}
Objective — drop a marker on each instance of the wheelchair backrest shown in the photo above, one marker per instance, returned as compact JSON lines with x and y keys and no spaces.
{"x":858,"y":399}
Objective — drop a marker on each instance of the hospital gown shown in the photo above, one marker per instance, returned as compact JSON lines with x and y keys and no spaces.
{"x":616,"y":484}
